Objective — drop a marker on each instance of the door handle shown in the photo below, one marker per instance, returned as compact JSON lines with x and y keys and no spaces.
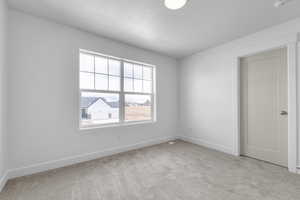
{"x":283,"y":112}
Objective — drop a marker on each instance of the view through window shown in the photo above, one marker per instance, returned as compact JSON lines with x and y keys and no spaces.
{"x":114,"y":90}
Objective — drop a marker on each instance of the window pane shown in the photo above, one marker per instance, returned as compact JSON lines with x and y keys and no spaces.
{"x":86,"y":62}
{"x":138,"y":71}
{"x":147,"y":73}
{"x":128,"y":84}
{"x":147,"y":86}
{"x":128,"y":70}
{"x":99,"y":108}
{"x":101,"y":65}
{"x":114,"y":83}
{"x":101,"y":82}
{"x":138,"y":85}
{"x":86,"y":80}
{"x":137,"y":107}
{"x":114,"y":67}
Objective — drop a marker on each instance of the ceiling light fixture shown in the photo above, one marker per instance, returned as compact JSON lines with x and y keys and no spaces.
{"x":280,"y":3}
{"x":175,"y":4}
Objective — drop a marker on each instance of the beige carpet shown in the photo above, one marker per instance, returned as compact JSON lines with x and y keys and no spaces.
{"x":162,"y":172}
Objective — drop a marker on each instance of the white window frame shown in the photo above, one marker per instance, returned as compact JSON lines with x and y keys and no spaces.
{"x":121,"y":93}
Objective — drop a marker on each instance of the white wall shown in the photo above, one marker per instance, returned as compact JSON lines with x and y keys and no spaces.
{"x":2,"y":89}
{"x":209,"y":86}
{"x":43,"y":93}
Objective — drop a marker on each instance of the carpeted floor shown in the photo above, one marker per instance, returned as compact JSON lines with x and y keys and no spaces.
{"x":162,"y":172}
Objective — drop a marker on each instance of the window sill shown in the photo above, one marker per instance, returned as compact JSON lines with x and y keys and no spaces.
{"x":114,"y":125}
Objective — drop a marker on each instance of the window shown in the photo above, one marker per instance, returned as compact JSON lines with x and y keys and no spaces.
{"x":114,"y":91}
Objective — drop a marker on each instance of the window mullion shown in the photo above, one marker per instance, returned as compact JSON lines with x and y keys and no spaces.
{"x":94,"y":72}
{"x":142,"y":78}
{"x":122,"y":97}
{"x":107,"y":74}
{"x":133,"y":77}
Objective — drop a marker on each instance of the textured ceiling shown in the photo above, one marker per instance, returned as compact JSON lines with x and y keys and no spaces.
{"x":148,"y":24}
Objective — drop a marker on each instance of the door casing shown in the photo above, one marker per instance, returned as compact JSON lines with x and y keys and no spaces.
{"x":267,"y":100}
{"x":292,"y":104}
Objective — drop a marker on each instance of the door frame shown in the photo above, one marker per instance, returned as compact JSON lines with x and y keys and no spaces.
{"x":292,"y":103}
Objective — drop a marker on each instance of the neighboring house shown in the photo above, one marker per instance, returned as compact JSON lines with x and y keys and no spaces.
{"x":97,"y":108}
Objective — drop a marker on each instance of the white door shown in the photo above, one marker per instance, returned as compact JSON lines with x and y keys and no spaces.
{"x":264,"y":125}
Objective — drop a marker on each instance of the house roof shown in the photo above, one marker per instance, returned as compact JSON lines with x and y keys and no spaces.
{"x":86,"y":102}
{"x":113,"y":104}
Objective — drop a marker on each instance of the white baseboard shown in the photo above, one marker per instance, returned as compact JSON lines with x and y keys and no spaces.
{"x":45,"y":166}
{"x":200,"y":142}
{"x":3,"y":180}
{"x":54,"y":164}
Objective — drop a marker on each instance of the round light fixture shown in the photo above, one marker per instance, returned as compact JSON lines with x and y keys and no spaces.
{"x":175,"y":4}
{"x":280,"y":3}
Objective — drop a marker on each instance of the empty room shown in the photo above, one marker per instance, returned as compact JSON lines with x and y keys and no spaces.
{"x":149,"y":100}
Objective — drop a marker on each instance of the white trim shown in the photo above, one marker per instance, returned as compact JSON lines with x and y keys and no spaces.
{"x":122,"y":96}
{"x":3,"y":180}
{"x":292,"y":104}
{"x":237,"y":121}
{"x":154,"y":95}
{"x":114,"y":57}
{"x":111,"y":125}
{"x":292,"y":107}
{"x":199,"y":141}
{"x":54,"y":164}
